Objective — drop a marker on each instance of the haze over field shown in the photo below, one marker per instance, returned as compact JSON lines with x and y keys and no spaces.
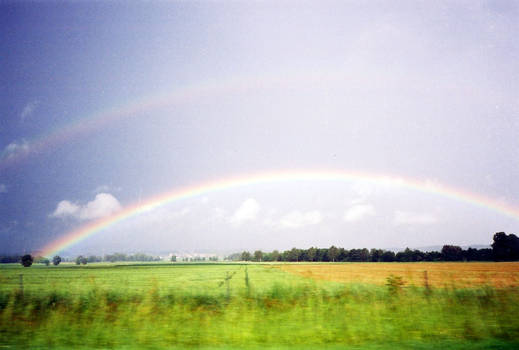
{"x":104,"y":105}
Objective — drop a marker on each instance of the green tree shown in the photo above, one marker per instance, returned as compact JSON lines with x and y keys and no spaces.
{"x":333,"y":253}
{"x":245,"y":256}
{"x":274,"y":256}
{"x":311,"y":253}
{"x":41,"y":260}
{"x":79,"y":259}
{"x":93,"y":258}
{"x":173,"y":258}
{"x":56,"y":260}
{"x":27,"y":260}
{"x":293,"y":254}
{"x":258,"y":255}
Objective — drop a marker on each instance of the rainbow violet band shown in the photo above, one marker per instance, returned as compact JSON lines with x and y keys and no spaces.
{"x":73,"y":237}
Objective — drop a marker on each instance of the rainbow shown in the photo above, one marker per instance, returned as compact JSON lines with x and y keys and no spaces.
{"x":103,"y":118}
{"x":74,"y":237}
{"x":175,"y":96}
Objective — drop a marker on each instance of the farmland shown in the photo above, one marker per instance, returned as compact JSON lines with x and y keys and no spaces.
{"x":276,"y":306}
{"x":442,"y":275}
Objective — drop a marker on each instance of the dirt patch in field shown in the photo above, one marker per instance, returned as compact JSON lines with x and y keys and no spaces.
{"x":498,"y":275}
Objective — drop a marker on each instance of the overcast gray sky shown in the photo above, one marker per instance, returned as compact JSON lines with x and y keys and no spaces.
{"x":105,"y":104}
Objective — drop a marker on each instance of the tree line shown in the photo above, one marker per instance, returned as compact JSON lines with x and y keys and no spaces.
{"x":504,"y":248}
{"x":115,"y":257}
{"x":28,"y":259}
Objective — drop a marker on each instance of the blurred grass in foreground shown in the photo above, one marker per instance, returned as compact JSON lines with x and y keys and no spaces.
{"x":254,"y":306}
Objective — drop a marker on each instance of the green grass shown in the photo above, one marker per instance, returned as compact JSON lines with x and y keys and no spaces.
{"x":188,"y":306}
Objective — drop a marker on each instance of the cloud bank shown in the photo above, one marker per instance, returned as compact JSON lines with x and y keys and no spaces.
{"x":104,"y":204}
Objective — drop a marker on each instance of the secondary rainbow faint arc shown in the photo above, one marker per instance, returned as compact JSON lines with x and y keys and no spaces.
{"x":178,"y":194}
{"x":177,"y":95}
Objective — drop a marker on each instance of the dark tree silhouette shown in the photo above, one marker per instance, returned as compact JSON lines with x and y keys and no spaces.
{"x":27,"y":260}
{"x":388,"y":256}
{"x":56,"y":260}
{"x":505,"y":247}
{"x":452,"y":253}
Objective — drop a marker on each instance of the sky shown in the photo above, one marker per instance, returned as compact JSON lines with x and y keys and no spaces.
{"x":107,"y":104}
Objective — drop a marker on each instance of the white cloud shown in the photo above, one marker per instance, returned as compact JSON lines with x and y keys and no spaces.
{"x":66,"y":208}
{"x":410,"y":218}
{"x":15,"y":148}
{"x":104,"y":204}
{"x":297,"y":219}
{"x":28,"y":109}
{"x":358,"y":212}
{"x":3,"y":188}
{"x":248,"y":211}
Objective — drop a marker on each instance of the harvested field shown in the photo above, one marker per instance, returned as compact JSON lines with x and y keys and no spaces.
{"x":441,"y":274}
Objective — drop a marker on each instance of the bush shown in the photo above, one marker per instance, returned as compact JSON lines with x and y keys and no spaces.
{"x":394,"y":283}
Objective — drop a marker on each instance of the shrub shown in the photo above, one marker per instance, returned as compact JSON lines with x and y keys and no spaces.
{"x":394,"y":283}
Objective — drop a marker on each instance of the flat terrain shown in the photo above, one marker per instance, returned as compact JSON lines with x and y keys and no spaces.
{"x":190,"y":278}
{"x":260,"y":306}
{"x":441,"y":275}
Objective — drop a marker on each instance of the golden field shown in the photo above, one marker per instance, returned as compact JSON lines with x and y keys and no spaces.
{"x":439,"y":274}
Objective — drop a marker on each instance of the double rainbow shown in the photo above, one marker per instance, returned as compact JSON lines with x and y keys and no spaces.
{"x":74,"y":237}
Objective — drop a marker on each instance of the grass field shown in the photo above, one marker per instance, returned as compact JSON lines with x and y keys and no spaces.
{"x":258,"y":306}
